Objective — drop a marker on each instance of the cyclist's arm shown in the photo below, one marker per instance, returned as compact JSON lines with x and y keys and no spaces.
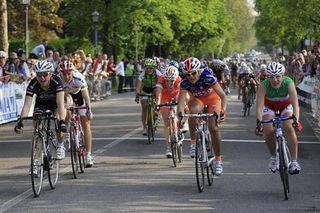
{"x":182,"y":100}
{"x":60,"y":103}
{"x":217,"y":88}
{"x":158,"y":93}
{"x":138,"y":86}
{"x":260,"y":101}
{"x":86,"y":97}
{"x":26,"y":106}
{"x":294,"y":100}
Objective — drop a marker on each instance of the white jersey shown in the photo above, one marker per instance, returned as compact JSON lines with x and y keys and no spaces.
{"x":77,"y":83}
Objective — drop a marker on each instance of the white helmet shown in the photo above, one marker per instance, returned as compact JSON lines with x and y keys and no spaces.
{"x":191,"y":64}
{"x":263,"y":67}
{"x":171,"y":73}
{"x":43,"y":66}
{"x":275,"y":68}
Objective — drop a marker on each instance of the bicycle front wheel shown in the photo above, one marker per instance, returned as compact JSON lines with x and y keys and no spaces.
{"x":73,"y":151}
{"x":283,"y":170}
{"x":54,"y":163}
{"x":210,"y":154}
{"x":149,"y":126}
{"x":36,"y":164}
{"x":199,"y":162}
{"x":81,"y":152}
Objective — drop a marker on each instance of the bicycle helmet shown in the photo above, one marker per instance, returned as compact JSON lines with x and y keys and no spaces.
{"x":171,"y":73}
{"x":174,"y":63}
{"x":66,"y":66}
{"x":191,"y":64}
{"x":275,"y":68}
{"x":43,"y":66}
{"x":263,"y":67}
{"x":149,"y":62}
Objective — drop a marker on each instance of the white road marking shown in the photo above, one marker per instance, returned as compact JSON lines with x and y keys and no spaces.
{"x":21,"y":197}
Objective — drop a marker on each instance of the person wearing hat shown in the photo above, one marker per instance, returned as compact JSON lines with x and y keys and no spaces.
{"x":16,"y":69}
{"x":3,"y":74}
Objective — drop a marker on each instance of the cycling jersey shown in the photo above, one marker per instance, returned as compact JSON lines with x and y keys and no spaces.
{"x":168,"y":92}
{"x":203,"y":87}
{"x":77,"y":83}
{"x":46,"y":99}
{"x":149,"y":81}
{"x":277,"y":99}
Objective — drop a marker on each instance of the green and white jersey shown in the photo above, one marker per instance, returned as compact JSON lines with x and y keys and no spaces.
{"x":149,"y":81}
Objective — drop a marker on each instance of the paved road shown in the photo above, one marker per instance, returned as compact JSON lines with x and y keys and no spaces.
{"x":132,"y":176}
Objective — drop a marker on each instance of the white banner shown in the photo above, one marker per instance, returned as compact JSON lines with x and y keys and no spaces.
{"x":8,"y":106}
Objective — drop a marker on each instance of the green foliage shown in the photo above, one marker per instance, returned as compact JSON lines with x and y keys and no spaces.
{"x":69,"y":45}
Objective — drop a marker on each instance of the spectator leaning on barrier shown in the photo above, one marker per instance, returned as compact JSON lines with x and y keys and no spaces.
{"x":3,"y":74}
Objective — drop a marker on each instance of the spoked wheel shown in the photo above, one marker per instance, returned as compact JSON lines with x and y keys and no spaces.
{"x":199,"y":163}
{"x":179,"y":151}
{"x":73,"y":152}
{"x":209,"y":150}
{"x":248,"y":106}
{"x":81,"y":153}
{"x":36,"y":164}
{"x":174,"y":150}
{"x":245,"y":108}
{"x":283,"y":170}
{"x":54,"y":164}
{"x":149,"y":127}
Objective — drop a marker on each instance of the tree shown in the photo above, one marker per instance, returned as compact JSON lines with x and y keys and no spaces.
{"x":4,"y":44}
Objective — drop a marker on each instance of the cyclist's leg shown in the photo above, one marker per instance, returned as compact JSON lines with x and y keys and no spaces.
{"x":165,"y":115}
{"x":290,"y":133}
{"x":144,"y":106}
{"x":195,"y":105}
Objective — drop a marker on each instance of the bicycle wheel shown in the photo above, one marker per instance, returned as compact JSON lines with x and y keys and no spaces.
{"x":149,"y":125}
{"x":73,"y":151}
{"x":199,"y":158}
{"x":248,"y":105}
{"x":210,"y":155}
{"x":36,"y":166}
{"x":173,"y":143}
{"x":81,"y":152}
{"x":245,"y":110}
{"x":53,"y":162}
{"x":179,"y":150}
{"x":283,"y":170}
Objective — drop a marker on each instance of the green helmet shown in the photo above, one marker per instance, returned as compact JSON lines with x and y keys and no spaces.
{"x":150,"y":63}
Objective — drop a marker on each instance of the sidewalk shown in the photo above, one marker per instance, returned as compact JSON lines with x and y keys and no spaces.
{"x":311,"y":121}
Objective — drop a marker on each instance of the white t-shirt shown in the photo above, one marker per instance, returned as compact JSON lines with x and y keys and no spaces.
{"x":76,"y":84}
{"x":39,"y":50}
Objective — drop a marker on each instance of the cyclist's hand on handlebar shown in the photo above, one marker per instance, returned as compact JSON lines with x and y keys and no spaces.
{"x":19,"y":127}
{"x":258,"y":130}
{"x":222,"y":116}
{"x":137,"y":98}
{"x":89,"y":113}
{"x":62,"y":126}
{"x":297,"y":126}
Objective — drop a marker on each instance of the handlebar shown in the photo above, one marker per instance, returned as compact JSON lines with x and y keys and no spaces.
{"x":277,"y":119}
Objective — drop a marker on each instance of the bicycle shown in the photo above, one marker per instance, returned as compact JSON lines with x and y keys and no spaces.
{"x":204,"y":151}
{"x":44,"y":144}
{"x":175,"y":136}
{"x":76,"y":142}
{"x":283,"y":153}
{"x":248,"y":96}
{"x":151,"y":119}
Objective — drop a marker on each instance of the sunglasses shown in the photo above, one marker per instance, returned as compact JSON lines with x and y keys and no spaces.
{"x":274,"y":76}
{"x":43,"y":74}
{"x":192,"y":73}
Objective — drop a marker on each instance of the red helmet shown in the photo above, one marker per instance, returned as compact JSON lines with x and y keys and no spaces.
{"x":66,"y":66}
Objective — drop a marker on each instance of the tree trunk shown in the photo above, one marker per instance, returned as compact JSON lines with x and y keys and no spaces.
{"x":4,"y":43}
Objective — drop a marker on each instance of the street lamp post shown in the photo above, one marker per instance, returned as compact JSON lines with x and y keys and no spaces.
{"x":95,"y":20}
{"x":27,"y":3}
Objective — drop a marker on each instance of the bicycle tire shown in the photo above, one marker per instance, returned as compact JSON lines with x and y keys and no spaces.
{"x":82,"y":153}
{"x":149,"y":125}
{"x":209,"y":168}
{"x":53,"y":162}
{"x":73,"y":151}
{"x":248,"y":105}
{"x":283,"y":170}
{"x":173,"y":143}
{"x":199,"y":163}
{"x":179,"y":149}
{"x":244,"y":110}
{"x":37,"y":164}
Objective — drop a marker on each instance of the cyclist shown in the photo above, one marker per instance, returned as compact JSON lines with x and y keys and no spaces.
{"x":263,"y":73}
{"x":48,"y":89}
{"x":167,"y":88}
{"x":146,"y":83}
{"x":246,"y":77}
{"x":278,"y":93}
{"x":204,"y":89}
{"x":222,"y":72}
{"x":74,"y":85}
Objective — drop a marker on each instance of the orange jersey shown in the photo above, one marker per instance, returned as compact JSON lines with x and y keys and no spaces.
{"x":168,"y":91}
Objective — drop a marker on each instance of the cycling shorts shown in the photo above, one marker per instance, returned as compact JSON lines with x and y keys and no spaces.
{"x":268,"y":111}
{"x":79,"y":102}
{"x":213,"y":101}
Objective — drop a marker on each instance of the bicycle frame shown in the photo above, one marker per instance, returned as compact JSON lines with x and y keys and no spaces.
{"x":150,"y":118}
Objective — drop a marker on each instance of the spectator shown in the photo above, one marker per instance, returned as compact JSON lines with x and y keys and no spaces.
{"x":56,"y":61}
{"x":39,"y":51}
{"x":13,"y":70}
{"x":121,"y":75}
{"x":3,"y":74}
{"x":129,"y":74}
